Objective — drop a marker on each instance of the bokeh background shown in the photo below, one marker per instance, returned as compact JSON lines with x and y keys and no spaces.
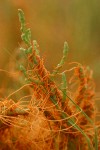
{"x":52,"y":22}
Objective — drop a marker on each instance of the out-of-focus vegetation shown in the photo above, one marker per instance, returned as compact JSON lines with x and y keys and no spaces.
{"x":52,"y":22}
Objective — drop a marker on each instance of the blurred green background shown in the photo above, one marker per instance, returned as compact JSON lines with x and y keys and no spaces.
{"x":52,"y":22}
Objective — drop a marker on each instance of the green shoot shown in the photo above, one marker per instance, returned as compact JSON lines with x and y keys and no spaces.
{"x":26,"y":33}
{"x":59,"y":66}
{"x":64,"y":86}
